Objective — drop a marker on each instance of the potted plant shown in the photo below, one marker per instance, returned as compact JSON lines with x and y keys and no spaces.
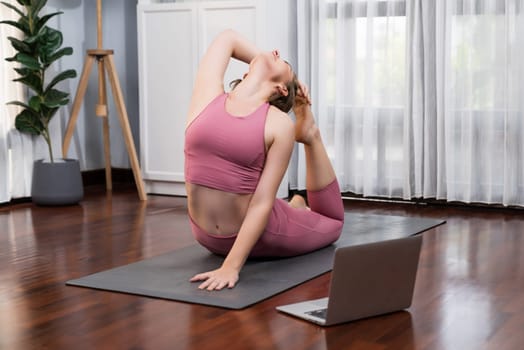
{"x":55,"y":182}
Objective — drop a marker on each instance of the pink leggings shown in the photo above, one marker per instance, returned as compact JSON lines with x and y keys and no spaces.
{"x":290,"y":231}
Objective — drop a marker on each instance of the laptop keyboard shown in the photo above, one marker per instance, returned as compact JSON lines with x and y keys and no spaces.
{"x":321,"y":313}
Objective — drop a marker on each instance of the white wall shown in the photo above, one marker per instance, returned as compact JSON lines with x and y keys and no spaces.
{"x":78,"y":25}
{"x":282,"y":11}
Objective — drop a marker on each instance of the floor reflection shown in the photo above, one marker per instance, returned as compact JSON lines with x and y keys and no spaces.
{"x":470,"y":281}
{"x":394,"y":330}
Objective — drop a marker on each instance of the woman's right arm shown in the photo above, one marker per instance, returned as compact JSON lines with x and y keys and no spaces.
{"x":209,"y":81}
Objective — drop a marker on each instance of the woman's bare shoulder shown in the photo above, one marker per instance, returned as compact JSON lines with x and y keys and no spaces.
{"x":279,"y":119}
{"x":279,"y":126}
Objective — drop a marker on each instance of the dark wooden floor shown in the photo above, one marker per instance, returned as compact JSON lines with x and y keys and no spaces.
{"x":469,"y":292}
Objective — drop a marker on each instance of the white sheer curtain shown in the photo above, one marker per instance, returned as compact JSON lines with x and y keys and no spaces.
{"x":8,"y":92}
{"x":4,"y":121}
{"x":17,"y":150}
{"x":480,"y":110}
{"x":418,"y":98}
{"x":352,"y":54}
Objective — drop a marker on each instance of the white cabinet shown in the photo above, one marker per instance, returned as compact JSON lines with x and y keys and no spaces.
{"x":168,"y":60}
{"x":172,"y":37}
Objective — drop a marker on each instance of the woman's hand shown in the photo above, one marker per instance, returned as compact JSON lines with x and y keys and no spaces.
{"x":302,"y":97}
{"x":217,"y":279}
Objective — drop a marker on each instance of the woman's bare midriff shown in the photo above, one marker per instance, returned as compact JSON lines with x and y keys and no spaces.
{"x":215,"y":211}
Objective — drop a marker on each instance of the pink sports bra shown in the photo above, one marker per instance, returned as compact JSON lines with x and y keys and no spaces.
{"x":225,"y":152}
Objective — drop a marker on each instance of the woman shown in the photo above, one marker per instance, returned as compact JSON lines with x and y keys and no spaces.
{"x":237,"y":149}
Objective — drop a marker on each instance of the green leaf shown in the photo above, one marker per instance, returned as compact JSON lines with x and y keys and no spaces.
{"x":18,"y":103}
{"x":28,"y":61}
{"x":55,"y":98}
{"x":38,"y":5}
{"x":48,"y":42}
{"x":66,"y":51}
{"x":51,"y":39}
{"x":19,"y":45}
{"x":28,"y":121}
{"x":48,"y":113}
{"x":33,"y":81}
{"x":42,"y":21}
{"x":17,"y":25}
{"x":31,"y":39}
{"x":22,"y":71}
{"x":24,"y":2}
{"x":70,"y":73}
{"x":14,"y":8}
{"x":34,"y":103}
{"x":24,"y":21}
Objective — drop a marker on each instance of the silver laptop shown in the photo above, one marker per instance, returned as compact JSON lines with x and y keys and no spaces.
{"x":367,"y":280}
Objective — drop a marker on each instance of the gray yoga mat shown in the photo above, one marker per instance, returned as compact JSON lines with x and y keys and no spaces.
{"x":166,"y":276}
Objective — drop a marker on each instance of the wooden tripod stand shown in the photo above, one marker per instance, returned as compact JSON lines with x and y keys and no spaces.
{"x":105,"y":64}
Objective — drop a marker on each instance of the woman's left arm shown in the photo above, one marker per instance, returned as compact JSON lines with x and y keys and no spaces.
{"x":260,"y":206}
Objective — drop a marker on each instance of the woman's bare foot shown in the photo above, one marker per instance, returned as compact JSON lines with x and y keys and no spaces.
{"x":298,"y":202}
{"x":305,"y":128}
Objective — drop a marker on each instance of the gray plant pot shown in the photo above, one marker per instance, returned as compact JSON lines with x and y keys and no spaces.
{"x":58,"y":183}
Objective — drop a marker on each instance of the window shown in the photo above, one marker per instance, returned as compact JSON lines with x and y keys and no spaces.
{"x":365,"y":91}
